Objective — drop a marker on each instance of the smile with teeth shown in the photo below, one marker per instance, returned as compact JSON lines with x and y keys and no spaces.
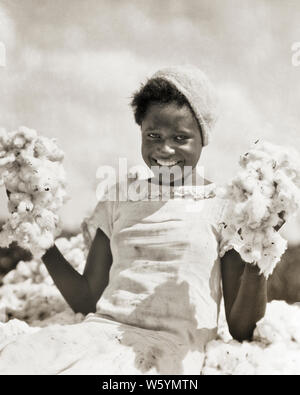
{"x":164,"y":162}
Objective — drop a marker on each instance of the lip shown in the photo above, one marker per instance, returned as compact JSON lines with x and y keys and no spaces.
{"x":155,"y":160}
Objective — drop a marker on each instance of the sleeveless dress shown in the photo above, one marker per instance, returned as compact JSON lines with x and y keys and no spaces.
{"x":162,"y":302}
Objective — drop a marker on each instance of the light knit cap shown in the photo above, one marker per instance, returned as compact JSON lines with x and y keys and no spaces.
{"x":199,"y":92}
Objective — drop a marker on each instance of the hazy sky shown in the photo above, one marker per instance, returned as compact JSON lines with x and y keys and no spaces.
{"x":72,"y":66}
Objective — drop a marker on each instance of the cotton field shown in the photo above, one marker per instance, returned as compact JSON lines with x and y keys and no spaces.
{"x":29,"y":300}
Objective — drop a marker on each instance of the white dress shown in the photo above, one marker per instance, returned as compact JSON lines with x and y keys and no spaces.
{"x":162,"y":302}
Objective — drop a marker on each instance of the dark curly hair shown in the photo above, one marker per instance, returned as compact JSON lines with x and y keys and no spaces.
{"x":156,"y":90}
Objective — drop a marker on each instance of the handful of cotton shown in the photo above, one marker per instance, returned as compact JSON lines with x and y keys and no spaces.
{"x":265,"y":192}
{"x":32,"y":173}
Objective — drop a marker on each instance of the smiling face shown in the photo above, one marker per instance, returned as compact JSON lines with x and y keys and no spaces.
{"x":170,"y":136}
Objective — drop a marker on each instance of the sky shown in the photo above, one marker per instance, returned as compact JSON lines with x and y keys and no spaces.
{"x":73,"y":65}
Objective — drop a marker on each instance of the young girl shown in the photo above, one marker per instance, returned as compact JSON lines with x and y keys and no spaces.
{"x":151,"y":288}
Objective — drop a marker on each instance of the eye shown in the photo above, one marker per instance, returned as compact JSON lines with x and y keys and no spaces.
{"x":181,"y":138}
{"x":154,"y":135}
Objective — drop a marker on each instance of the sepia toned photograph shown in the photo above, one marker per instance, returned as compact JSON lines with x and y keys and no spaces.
{"x":150,"y":190}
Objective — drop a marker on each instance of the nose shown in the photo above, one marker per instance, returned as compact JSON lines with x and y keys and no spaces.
{"x":166,"y":149}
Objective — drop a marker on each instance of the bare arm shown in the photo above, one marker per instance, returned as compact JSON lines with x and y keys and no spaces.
{"x":81,"y":291}
{"x":245,"y":295}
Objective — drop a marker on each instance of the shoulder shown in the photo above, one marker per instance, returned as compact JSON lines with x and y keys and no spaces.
{"x":217,"y":209}
{"x":214,"y":206}
{"x":115,"y":191}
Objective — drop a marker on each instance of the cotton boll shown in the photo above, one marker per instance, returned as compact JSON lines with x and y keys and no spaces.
{"x":267,"y":185}
{"x":48,"y":281}
{"x":11,"y":180}
{"x":76,"y":257}
{"x":17,"y":197}
{"x":4,"y":161}
{"x":249,"y":184}
{"x":280,"y":324}
{"x":267,"y":264}
{"x":256,"y":238}
{"x":19,"y":141}
{"x":277,"y":245}
{"x":5,"y":238}
{"x":47,"y":148}
{"x":235,"y":192}
{"x":29,"y":293}
{"x":34,"y":266}
{"x":275,"y":348}
{"x":42,"y":199}
{"x":4,"y":139}
{"x":228,"y":358}
{"x":23,"y":269}
{"x":267,"y":189}
{"x":38,"y":173}
{"x":25,"y":206}
{"x":288,"y":198}
{"x":28,"y":134}
{"x":43,"y":271}
{"x":257,"y":208}
{"x":46,"y":240}
{"x":63,"y":244}
{"x":273,"y":219}
{"x":247,"y":252}
{"x":26,"y":172}
{"x":46,"y":219}
{"x":267,"y":170}
{"x":58,"y":200}
{"x":240,"y":212}
{"x":42,"y":178}
{"x":11,"y":207}
{"x":15,"y":220}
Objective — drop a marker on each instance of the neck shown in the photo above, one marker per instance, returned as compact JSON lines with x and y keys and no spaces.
{"x":192,"y":179}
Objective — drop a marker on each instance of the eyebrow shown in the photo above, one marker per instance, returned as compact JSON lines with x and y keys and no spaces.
{"x":183,"y":132}
{"x":150,"y":129}
{"x":154,"y":129}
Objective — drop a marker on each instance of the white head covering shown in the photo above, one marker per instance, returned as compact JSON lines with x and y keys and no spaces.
{"x":196,"y":87}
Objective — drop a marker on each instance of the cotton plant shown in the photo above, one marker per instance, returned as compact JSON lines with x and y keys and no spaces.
{"x":275,"y":348}
{"x":29,"y":294}
{"x":264,"y":193}
{"x":28,"y":302}
{"x":31,"y":170}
